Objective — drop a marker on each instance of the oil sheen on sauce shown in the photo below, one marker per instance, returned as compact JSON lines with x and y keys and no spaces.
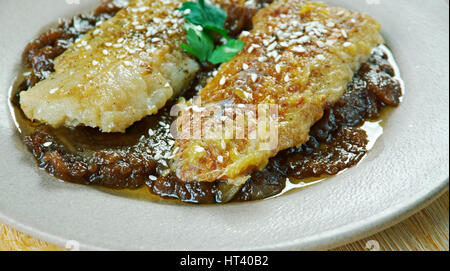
{"x":373,"y":128}
{"x":122,"y":164}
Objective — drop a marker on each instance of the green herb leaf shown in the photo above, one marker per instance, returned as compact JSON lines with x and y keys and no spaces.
{"x":222,"y":31}
{"x":200,"y":44}
{"x":206,"y":15}
{"x":202,"y":19}
{"x":226,"y":52}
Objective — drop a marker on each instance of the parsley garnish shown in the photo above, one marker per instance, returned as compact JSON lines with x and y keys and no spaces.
{"x":227,"y":51}
{"x":204,"y":14}
{"x":202,"y":20}
{"x":200,"y":44}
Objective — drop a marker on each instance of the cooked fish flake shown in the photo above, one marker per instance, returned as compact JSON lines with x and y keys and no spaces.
{"x":313,"y":75}
{"x":115,"y":74}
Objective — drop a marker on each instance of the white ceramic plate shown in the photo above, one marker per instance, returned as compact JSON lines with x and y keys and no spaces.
{"x":408,"y":167}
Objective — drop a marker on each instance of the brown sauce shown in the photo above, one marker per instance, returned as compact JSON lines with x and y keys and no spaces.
{"x":127,"y":161}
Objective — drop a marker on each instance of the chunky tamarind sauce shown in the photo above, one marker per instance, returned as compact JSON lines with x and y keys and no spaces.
{"x":127,"y":162}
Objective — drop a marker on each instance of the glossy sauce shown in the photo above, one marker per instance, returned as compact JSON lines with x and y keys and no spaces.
{"x":125,"y":164}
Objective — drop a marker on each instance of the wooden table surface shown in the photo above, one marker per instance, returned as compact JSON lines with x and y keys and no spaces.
{"x":427,"y":230}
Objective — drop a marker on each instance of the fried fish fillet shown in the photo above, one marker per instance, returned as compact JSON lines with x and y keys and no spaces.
{"x":300,"y":56}
{"x":119,"y":72}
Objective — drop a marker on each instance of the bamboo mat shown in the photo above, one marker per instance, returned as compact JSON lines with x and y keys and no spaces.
{"x":427,"y":230}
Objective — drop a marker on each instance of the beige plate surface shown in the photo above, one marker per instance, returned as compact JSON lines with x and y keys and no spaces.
{"x":408,"y":167}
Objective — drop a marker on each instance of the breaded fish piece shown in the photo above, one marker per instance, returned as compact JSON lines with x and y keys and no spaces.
{"x":119,"y":72}
{"x":300,"y":56}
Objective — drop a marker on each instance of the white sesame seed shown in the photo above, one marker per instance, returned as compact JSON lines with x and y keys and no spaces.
{"x":283,"y":26}
{"x":95,"y":62}
{"x":164,"y":163}
{"x":329,"y":42}
{"x":152,"y":178}
{"x":278,"y":68}
{"x":347,"y":44}
{"x":267,"y":42}
{"x":47,"y":144}
{"x":245,"y":66}
{"x":344,"y":33}
{"x":287,"y":78}
{"x":223,"y":80}
{"x":296,"y":35}
{"x":186,"y":11}
{"x":245,"y":33}
{"x":157,"y":156}
{"x":142,"y":9}
{"x":262,"y":59}
{"x":254,"y":77}
{"x":220,"y":158}
{"x":299,"y":49}
{"x":199,"y":149}
{"x":273,"y":54}
{"x":53,"y":90}
{"x":272,"y":46}
{"x":320,"y":44}
{"x":105,"y":52}
{"x":303,"y":39}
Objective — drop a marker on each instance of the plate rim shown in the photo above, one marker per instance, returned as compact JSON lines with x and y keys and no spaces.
{"x":357,"y":230}
{"x":340,"y":235}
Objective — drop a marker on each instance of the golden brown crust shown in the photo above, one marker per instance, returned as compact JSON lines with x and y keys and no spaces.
{"x":119,"y":72}
{"x":299,"y":56}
